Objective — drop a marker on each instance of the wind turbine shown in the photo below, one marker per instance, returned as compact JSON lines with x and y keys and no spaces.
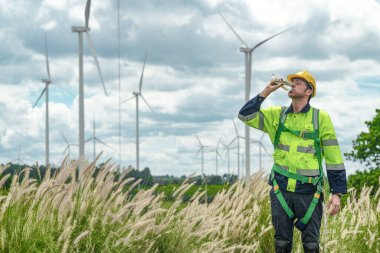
{"x":217,"y":154}
{"x":201,"y":150}
{"x":237,"y":138}
{"x":261,"y":146}
{"x":137,"y":94}
{"x":247,"y":50}
{"x":47,"y":82}
{"x":95,"y":139}
{"x":119,"y":76}
{"x":80,"y":30}
{"x":68,"y":145}
{"x":227,"y":149}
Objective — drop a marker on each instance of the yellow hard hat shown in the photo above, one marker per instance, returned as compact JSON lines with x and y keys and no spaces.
{"x":305,"y":75}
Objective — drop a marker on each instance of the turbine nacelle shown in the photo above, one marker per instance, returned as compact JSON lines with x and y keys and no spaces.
{"x":47,"y":81}
{"x":246,"y":49}
{"x":79,"y":29}
{"x":136,"y":93}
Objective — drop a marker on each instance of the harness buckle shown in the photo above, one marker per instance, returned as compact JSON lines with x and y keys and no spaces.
{"x":276,"y":188}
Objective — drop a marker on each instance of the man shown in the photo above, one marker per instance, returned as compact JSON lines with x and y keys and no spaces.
{"x":302,"y":136}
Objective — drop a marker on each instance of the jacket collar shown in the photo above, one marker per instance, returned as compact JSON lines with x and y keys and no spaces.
{"x":304,"y":110}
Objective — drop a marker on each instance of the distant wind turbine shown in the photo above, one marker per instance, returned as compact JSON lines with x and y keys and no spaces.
{"x":119,"y":76}
{"x":261,"y":146}
{"x":247,"y":50}
{"x":47,"y":82}
{"x":227,"y":149}
{"x":237,"y":139}
{"x":95,"y":139}
{"x":202,"y":150}
{"x":80,"y":30}
{"x":137,"y":95}
{"x":217,"y":154}
{"x":68,"y":145}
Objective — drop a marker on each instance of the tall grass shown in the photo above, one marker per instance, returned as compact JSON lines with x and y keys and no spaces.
{"x":99,"y":213}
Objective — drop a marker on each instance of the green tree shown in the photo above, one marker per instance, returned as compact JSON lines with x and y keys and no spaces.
{"x":367,"y":144}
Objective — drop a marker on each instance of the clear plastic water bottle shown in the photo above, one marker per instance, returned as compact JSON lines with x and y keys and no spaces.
{"x":277,"y":79}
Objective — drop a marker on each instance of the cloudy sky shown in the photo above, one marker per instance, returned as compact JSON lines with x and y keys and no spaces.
{"x":194,"y":76}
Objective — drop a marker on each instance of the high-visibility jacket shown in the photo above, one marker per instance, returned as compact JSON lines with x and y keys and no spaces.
{"x":296,"y":154}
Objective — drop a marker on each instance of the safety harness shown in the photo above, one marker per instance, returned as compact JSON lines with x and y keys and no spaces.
{"x":300,"y":223}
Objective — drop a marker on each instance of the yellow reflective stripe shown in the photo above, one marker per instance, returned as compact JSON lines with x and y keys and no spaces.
{"x":332,"y":142}
{"x":339,"y":166}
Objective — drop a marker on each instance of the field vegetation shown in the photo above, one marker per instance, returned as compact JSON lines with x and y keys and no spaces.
{"x":103,"y":210}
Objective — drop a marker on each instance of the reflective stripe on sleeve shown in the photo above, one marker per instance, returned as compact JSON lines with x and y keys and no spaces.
{"x":248,"y":117}
{"x":339,"y":166}
{"x":261,"y":121}
{"x":332,"y":142}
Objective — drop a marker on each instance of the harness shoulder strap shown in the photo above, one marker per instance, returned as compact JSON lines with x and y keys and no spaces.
{"x":280,"y":127}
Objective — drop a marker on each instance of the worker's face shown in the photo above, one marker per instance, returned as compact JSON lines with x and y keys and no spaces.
{"x":299,"y":89}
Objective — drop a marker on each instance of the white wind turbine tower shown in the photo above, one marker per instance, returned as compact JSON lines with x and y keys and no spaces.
{"x":227,"y":148}
{"x":217,"y":154}
{"x":119,"y":76}
{"x":247,"y":50}
{"x":201,"y":150}
{"x":95,"y":139}
{"x":47,"y":82}
{"x":80,"y":30}
{"x":137,"y":95}
{"x":237,"y":139}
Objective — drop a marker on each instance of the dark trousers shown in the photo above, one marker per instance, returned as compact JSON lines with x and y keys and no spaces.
{"x":283,"y":226}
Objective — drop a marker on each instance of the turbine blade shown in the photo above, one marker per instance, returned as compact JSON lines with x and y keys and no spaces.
{"x":265,"y":149}
{"x":232,"y":141}
{"x":150,"y":108}
{"x":47,"y":59}
{"x":87,"y":12}
{"x":102,"y":142}
{"x":93,"y":50}
{"x":232,"y":29}
{"x":199,"y":150}
{"x":236,"y":131}
{"x":217,"y":145}
{"x":142,"y":75}
{"x":65,"y":150}
{"x":64,"y":137}
{"x":271,"y":37}
{"x":89,"y":139}
{"x":200,"y":143}
{"x":38,"y":100}
{"x":262,"y":136}
{"x":126,"y":100}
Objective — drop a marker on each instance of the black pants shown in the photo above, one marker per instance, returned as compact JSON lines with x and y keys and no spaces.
{"x":283,"y":226}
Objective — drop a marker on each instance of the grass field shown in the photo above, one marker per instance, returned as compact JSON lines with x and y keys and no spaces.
{"x":100,"y":214}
